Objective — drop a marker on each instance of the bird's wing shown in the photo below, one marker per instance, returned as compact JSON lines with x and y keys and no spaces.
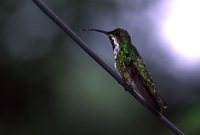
{"x":143,"y":90}
{"x":144,"y":82}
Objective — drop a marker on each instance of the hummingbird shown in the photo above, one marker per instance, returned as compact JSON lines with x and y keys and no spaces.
{"x":131,"y":67}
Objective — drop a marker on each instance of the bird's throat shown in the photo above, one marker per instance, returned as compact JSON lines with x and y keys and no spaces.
{"x":115,"y":44}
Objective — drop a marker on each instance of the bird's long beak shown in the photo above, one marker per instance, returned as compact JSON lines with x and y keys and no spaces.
{"x":97,"y":30}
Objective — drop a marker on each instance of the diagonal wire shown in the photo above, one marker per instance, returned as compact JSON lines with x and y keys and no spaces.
{"x":83,"y":45}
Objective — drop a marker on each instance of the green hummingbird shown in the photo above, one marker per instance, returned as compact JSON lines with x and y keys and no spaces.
{"x":132,"y":69}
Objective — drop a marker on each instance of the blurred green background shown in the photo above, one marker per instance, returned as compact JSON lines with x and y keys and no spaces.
{"x":49,"y":86}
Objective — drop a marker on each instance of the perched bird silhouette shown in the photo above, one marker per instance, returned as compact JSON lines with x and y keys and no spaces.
{"x":132,"y":69}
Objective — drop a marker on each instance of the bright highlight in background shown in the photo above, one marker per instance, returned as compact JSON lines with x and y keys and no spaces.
{"x":182,"y":28}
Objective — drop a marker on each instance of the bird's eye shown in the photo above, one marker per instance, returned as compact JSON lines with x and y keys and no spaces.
{"x":117,"y":34}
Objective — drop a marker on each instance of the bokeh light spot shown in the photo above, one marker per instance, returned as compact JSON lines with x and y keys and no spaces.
{"x":182,"y":29}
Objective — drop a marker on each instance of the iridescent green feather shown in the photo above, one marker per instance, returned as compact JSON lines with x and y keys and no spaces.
{"x":128,"y":55}
{"x":145,"y":74}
